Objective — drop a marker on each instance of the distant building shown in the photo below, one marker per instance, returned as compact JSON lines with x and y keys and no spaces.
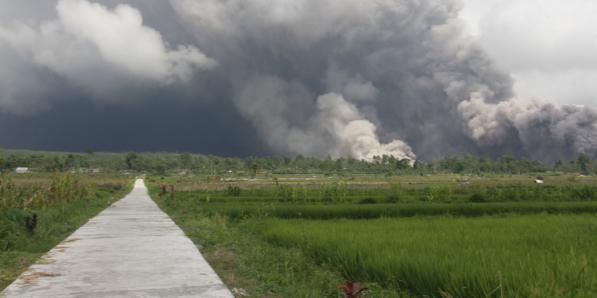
{"x":89,"y":170}
{"x":22,"y":170}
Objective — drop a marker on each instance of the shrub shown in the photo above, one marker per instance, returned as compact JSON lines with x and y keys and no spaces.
{"x":233,"y":191}
{"x":477,"y":198}
{"x":392,"y":199}
{"x":65,"y":188}
{"x":367,"y":201}
{"x":284,"y":193}
{"x":110,"y":186}
{"x":584,"y":193}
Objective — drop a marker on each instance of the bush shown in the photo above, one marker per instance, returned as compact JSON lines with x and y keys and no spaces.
{"x":233,"y":191}
{"x":367,"y":201}
{"x":392,"y":199}
{"x":477,"y":198}
{"x":584,"y":193}
{"x":110,"y":187}
{"x":65,"y":188}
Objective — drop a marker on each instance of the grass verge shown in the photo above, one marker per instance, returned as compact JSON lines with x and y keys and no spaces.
{"x":19,"y":248}
{"x":247,"y":262}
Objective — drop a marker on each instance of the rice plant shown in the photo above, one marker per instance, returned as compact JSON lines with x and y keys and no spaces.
{"x":512,"y":256}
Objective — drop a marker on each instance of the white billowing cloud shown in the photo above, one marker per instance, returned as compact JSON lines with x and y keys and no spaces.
{"x":124,"y":42}
{"x":97,"y":47}
{"x":549,"y":46}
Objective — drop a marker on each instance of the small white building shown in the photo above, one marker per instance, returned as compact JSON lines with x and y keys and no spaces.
{"x":22,"y":170}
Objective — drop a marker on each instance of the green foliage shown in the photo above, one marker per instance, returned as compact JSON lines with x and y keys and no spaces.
{"x":403,"y":225}
{"x":477,"y":198}
{"x":393,"y":198}
{"x":166,"y":163}
{"x":583,"y":162}
{"x":453,"y":257}
{"x":254,"y":169}
{"x":285,"y":193}
{"x":584,"y":193}
{"x":66,"y":188}
{"x":34,"y":217}
{"x":233,"y":191}
{"x":9,"y":194}
{"x":367,"y":209}
{"x":131,"y":160}
{"x":62,"y":187}
{"x":367,"y":201}
{"x":246,"y":261}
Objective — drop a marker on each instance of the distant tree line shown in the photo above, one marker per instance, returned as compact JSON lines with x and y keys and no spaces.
{"x":164,"y":163}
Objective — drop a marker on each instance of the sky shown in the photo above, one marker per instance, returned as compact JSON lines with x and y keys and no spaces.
{"x":412,"y":79}
{"x":548,"y":46}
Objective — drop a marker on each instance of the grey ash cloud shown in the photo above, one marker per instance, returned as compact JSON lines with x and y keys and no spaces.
{"x":313,"y":77}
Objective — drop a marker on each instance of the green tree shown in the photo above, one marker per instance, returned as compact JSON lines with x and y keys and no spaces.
{"x":254,"y":169}
{"x":185,"y":160}
{"x":56,"y":165}
{"x":403,"y":164}
{"x":130,"y":160}
{"x":69,"y":161}
{"x":583,"y":163}
{"x":559,"y":165}
{"x":3,"y":163}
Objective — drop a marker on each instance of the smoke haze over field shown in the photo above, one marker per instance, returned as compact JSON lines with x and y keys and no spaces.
{"x":237,"y":77}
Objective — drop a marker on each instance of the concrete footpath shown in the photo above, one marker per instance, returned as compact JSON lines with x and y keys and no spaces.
{"x":131,"y":249}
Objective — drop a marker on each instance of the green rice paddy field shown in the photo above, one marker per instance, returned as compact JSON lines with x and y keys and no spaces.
{"x":505,"y":256}
{"x":399,"y":237}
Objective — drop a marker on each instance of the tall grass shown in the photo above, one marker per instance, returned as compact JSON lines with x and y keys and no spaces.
{"x":60,"y":188}
{"x":352,"y":211}
{"x":59,"y":204}
{"x":518,"y":256}
{"x":341,"y":193}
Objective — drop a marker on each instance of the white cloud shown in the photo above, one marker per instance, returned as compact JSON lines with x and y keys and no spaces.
{"x":576,"y":86}
{"x":100,"y":48}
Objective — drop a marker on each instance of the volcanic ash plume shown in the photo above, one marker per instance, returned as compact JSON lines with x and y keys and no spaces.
{"x":352,"y":134}
{"x":331,"y":126}
{"x":315,"y":77}
{"x":543,"y":129}
{"x":398,"y":69}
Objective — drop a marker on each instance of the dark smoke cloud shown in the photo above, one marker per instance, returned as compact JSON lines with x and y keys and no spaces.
{"x":314,"y":77}
{"x":546,"y":130}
